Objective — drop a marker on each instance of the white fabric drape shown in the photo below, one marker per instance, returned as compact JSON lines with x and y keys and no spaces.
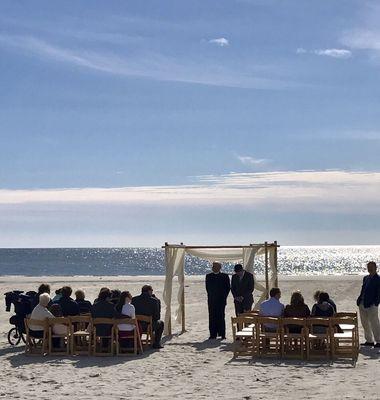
{"x":272,"y":272}
{"x":249,"y":255}
{"x":220,"y":255}
{"x":175,"y":263}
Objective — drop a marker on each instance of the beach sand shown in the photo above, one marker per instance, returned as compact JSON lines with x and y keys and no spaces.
{"x":190,"y":366}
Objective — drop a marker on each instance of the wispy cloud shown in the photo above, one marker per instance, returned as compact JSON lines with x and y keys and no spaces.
{"x":321,"y":191}
{"x":251,"y":161}
{"x":148,"y":65}
{"x":222,"y":42}
{"x":334,"y":53}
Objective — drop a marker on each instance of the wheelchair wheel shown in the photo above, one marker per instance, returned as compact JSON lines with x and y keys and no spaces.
{"x":14,"y":337}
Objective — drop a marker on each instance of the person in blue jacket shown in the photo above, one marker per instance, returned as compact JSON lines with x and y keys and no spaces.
{"x":368,"y":303}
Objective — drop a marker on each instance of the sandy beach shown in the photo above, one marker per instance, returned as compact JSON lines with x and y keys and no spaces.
{"x":189,"y":366}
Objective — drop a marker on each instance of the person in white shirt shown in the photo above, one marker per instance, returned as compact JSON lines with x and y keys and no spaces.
{"x":40,"y":313}
{"x":272,"y":307}
{"x":124,"y":309}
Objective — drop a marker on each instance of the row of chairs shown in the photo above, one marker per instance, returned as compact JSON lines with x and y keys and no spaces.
{"x":304,"y":338}
{"x":84,"y":335}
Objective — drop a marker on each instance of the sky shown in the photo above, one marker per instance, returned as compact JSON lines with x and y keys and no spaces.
{"x":133,"y":123}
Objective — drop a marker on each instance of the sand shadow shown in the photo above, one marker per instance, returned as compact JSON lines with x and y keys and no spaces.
{"x":206,"y":344}
{"x":83,"y":361}
{"x":369,"y":352}
{"x":11,"y":350}
{"x":292,"y":362}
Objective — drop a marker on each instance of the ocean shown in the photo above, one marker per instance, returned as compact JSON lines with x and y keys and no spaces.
{"x":310,"y":260}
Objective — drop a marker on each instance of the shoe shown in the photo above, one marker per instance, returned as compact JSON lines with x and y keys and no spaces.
{"x":223,"y":338}
{"x":367,"y":344}
{"x":212,"y":338}
{"x":377,"y":345}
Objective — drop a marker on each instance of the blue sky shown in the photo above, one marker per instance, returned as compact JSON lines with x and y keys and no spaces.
{"x":129,"y":123}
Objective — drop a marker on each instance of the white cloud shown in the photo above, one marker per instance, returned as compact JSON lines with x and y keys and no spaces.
{"x":222,"y":42}
{"x":335,"y":53}
{"x":251,"y":161}
{"x":148,"y":65}
{"x":320,"y":191}
{"x":301,"y":50}
{"x":362,"y":39}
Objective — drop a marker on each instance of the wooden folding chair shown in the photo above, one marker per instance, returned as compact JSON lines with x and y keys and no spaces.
{"x":346,"y":343}
{"x":59,"y":343}
{"x":127,"y":336}
{"x":344,"y":326}
{"x":36,"y":345}
{"x":81,"y":334}
{"x":243,"y":333}
{"x":146,"y":329}
{"x":269,"y":336}
{"x":318,"y":338}
{"x":103,"y":344}
{"x":294,"y":336}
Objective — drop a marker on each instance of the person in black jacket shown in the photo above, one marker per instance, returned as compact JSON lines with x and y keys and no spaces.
{"x":103,"y":308}
{"x":148,"y":304}
{"x":84,"y":305}
{"x":68,"y":305}
{"x":368,"y":303}
{"x":217,"y":287}
{"x":242,"y":285}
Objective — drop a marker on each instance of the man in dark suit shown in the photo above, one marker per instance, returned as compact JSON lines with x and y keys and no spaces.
{"x":242,"y":286}
{"x":368,"y":303}
{"x":148,"y":304}
{"x":217,"y":287}
{"x":68,"y":305}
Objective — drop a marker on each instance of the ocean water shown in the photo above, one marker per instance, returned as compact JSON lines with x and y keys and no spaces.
{"x":315,"y":260}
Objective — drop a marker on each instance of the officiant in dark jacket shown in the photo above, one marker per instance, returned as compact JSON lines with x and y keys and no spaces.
{"x":217,"y":287}
{"x":242,"y":286}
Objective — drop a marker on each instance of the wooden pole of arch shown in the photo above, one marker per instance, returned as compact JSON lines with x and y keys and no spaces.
{"x":275,"y":263}
{"x":183,"y":300}
{"x":266,"y":270}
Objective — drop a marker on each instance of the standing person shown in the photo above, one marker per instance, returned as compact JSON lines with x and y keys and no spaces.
{"x":148,"y":304}
{"x":217,"y":287}
{"x":242,"y":286}
{"x":368,"y":303}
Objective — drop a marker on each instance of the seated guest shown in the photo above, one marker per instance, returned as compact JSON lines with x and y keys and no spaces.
{"x":124,"y":309}
{"x":40,"y":313}
{"x":58,"y":295}
{"x":103,"y":288}
{"x":85,"y":306}
{"x":316,"y":297}
{"x":115,"y":296}
{"x":68,"y":305}
{"x":296,"y":309}
{"x":322,"y":309}
{"x":43,"y":288}
{"x":272,"y":307}
{"x":148,"y":304}
{"x":103,"y":308}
